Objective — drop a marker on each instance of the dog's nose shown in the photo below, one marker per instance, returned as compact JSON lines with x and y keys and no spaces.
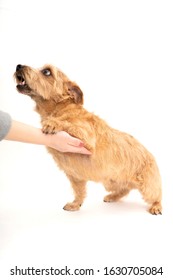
{"x":18,"y":67}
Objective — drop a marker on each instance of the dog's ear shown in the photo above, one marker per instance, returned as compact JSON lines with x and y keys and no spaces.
{"x":75,"y":92}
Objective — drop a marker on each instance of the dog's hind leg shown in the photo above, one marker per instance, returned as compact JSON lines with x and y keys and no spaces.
{"x":151,"y":188}
{"x":117,"y":191}
{"x":79,"y":189}
{"x":152,"y":195}
{"x":115,"y":196}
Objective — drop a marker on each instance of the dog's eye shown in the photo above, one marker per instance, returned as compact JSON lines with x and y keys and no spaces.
{"x":46,"y":72}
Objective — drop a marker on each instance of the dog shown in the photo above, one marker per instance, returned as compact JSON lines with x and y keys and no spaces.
{"x":118,"y":160}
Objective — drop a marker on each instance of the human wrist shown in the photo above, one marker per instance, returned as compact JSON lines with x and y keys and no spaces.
{"x":47,"y":140}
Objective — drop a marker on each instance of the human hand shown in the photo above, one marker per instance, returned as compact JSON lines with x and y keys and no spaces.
{"x":64,"y":142}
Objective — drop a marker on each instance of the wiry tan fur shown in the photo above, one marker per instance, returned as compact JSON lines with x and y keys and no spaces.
{"x":118,"y":160}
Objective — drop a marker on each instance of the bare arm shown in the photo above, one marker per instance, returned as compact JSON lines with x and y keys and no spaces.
{"x":60,"y":141}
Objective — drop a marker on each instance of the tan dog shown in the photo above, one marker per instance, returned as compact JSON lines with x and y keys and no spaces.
{"x":118,"y":160}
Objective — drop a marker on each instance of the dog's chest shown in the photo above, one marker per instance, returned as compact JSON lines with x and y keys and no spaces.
{"x":79,"y":166}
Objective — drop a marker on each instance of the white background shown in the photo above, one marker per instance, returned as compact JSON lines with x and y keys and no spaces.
{"x":121,"y":55}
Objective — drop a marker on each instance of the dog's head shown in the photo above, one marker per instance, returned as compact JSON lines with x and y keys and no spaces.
{"x":47,"y":83}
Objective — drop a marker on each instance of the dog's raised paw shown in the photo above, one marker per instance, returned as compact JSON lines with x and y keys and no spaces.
{"x":49,"y":127}
{"x":72,"y":206}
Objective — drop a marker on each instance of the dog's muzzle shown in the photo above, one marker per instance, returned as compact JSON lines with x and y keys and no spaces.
{"x":22,"y":86}
{"x":19,"y":67}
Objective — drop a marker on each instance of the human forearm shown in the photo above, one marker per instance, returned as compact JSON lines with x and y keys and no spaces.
{"x":60,"y":141}
{"x":25,"y":133}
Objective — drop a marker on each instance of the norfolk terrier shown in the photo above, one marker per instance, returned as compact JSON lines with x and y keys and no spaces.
{"x":118,"y":160}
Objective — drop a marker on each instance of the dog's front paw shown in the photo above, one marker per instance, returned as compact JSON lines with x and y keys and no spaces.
{"x":73,"y":206}
{"x":49,"y":127}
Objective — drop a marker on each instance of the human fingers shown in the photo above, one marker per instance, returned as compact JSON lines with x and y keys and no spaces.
{"x":79,"y":150}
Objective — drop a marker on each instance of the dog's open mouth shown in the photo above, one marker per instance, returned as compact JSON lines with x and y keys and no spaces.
{"x":22,"y":86}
